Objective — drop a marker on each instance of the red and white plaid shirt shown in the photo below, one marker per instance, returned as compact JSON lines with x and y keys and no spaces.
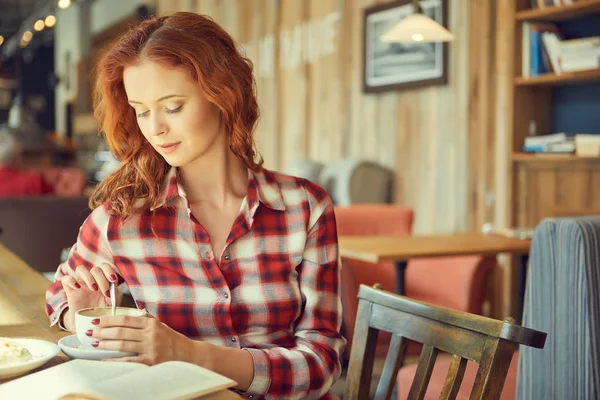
{"x":274,"y":290}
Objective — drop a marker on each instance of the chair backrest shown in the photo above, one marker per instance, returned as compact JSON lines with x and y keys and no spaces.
{"x":354,"y":180}
{"x":488,"y":342}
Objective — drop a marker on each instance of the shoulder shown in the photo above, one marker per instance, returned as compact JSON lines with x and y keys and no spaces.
{"x":98,"y":221}
{"x":300,"y":192}
{"x":292,"y":185}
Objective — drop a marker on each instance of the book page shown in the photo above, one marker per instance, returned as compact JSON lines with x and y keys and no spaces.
{"x":72,"y":376}
{"x":167,"y":381}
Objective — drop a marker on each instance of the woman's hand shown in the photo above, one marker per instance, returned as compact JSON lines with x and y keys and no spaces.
{"x":154,"y":341}
{"x":88,"y":289}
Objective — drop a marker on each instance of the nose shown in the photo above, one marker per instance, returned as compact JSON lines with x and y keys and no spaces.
{"x":157,"y":126}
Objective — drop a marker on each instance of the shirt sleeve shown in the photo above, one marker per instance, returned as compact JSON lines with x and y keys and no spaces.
{"x":91,"y":249}
{"x":309,"y":368}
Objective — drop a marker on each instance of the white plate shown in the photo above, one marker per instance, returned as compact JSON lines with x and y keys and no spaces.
{"x":69,"y":346}
{"x":42,"y":351}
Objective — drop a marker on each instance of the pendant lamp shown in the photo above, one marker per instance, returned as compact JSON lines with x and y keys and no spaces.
{"x":417,"y":28}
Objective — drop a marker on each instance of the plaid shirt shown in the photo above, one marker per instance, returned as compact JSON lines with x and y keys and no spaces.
{"x":273,"y":292}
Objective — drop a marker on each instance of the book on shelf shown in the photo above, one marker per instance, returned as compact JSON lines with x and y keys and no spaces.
{"x":546,"y":50}
{"x":104,"y":380}
{"x":552,"y":143}
{"x":550,"y":3}
{"x":546,"y":139}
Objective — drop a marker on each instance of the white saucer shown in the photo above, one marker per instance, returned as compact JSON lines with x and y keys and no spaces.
{"x":70,"y":346}
{"x":41,"y":351}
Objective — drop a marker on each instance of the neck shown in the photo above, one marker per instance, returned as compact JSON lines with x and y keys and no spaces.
{"x":217,"y":178}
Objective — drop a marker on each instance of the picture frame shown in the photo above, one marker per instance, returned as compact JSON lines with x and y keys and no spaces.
{"x":396,"y":66}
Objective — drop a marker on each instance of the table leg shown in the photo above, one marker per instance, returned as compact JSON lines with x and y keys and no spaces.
{"x":400,"y":275}
{"x":521,"y":280}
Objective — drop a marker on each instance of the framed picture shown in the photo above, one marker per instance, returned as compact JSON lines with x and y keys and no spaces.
{"x":394,"y":66}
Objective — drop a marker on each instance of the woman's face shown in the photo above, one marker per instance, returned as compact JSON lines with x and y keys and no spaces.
{"x":172,"y":112}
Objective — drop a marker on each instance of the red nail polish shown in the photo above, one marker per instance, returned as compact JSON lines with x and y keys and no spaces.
{"x":95,"y":286}
{"x":77,"y":285}
{"x":107,"y":293}
{"x":95,"y":321}
{"x":88,"y":332}
{"x":95,"y":344}
{"x":113,"y":278}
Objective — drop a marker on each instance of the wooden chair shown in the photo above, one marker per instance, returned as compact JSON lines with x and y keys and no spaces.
{"x":488,"y":342}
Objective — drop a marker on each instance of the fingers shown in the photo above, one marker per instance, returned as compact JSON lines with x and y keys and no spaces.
{"x":116,"y":333}
{"x":119,"y":345}
{"x":101,"y":280}
{"x":68,"y":282}
{"x":96,"y":279}
{"x":124,"y":321}
{"x":83,"y":276}
{"x":109,"y":272}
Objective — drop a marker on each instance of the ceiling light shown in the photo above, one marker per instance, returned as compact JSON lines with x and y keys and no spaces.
{"x":417,"y":27}
{"x":39,"y":25}
{"x":64,"y":3}
{"x":1,"y":40}
{"x":50,"y":21}
{"x":27,"y":35}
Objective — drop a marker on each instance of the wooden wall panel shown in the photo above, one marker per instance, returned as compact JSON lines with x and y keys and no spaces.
{"x":481,"y":128}
{"x":436,"y":139}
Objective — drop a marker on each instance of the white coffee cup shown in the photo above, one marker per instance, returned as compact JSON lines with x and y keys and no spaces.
{"x":85,"y":316}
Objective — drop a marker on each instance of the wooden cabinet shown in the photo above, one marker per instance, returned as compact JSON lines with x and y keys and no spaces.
{"x":548,"y":186}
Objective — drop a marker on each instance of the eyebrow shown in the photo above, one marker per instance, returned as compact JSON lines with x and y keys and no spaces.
{"x":159,"y":100}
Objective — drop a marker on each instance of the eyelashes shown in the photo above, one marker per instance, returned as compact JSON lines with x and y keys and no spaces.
{"x":167,"y":110}
{"x":173,"y":111}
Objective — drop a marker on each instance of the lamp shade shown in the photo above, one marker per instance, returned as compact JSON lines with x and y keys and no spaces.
{"x":417,"y":28}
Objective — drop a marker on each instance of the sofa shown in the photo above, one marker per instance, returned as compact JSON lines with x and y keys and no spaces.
{"x":562,"y":297}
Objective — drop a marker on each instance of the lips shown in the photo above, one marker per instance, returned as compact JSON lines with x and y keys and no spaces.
{"x":168,"y":147}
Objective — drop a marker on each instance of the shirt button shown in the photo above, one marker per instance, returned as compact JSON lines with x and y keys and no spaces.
{"x":250,"y":396}
{"x":226,"y":295}
{"x":208,"y":255}
{"x":232,"y":339}
{"x":227,"y":257}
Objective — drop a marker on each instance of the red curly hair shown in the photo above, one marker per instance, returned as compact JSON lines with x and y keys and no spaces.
{"x":201,"y":47}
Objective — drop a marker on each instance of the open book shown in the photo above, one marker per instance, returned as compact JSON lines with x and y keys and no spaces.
{"x":117,"y":380}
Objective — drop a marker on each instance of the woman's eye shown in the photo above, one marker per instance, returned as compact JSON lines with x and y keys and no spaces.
{"x":174,"y":110}
{"x":142,"y":114}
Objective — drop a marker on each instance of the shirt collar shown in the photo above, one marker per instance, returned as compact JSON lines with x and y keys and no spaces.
{"x":262,"y":187}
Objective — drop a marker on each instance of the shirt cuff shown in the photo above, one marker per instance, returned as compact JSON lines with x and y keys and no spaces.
{"x":262,"y":375}
{"x":57,"y":316}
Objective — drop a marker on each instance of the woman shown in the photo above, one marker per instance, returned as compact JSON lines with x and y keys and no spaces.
{"x":238,"y":265}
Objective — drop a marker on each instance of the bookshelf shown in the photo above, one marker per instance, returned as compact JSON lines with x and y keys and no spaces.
{"x":538,"y":186}
{"x":520,"y":157}
{"x":560,"y":13}
{"x":565,"y":78}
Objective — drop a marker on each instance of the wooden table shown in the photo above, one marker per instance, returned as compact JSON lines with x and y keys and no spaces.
{"x":22,"y":310}
{"x":22,"y":303}
{"x":400,"y":249}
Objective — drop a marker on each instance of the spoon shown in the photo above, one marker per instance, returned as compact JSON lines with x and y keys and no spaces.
{"x":113,"y":298}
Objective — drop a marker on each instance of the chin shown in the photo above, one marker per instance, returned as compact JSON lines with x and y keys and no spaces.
{"x":174,"y":161}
